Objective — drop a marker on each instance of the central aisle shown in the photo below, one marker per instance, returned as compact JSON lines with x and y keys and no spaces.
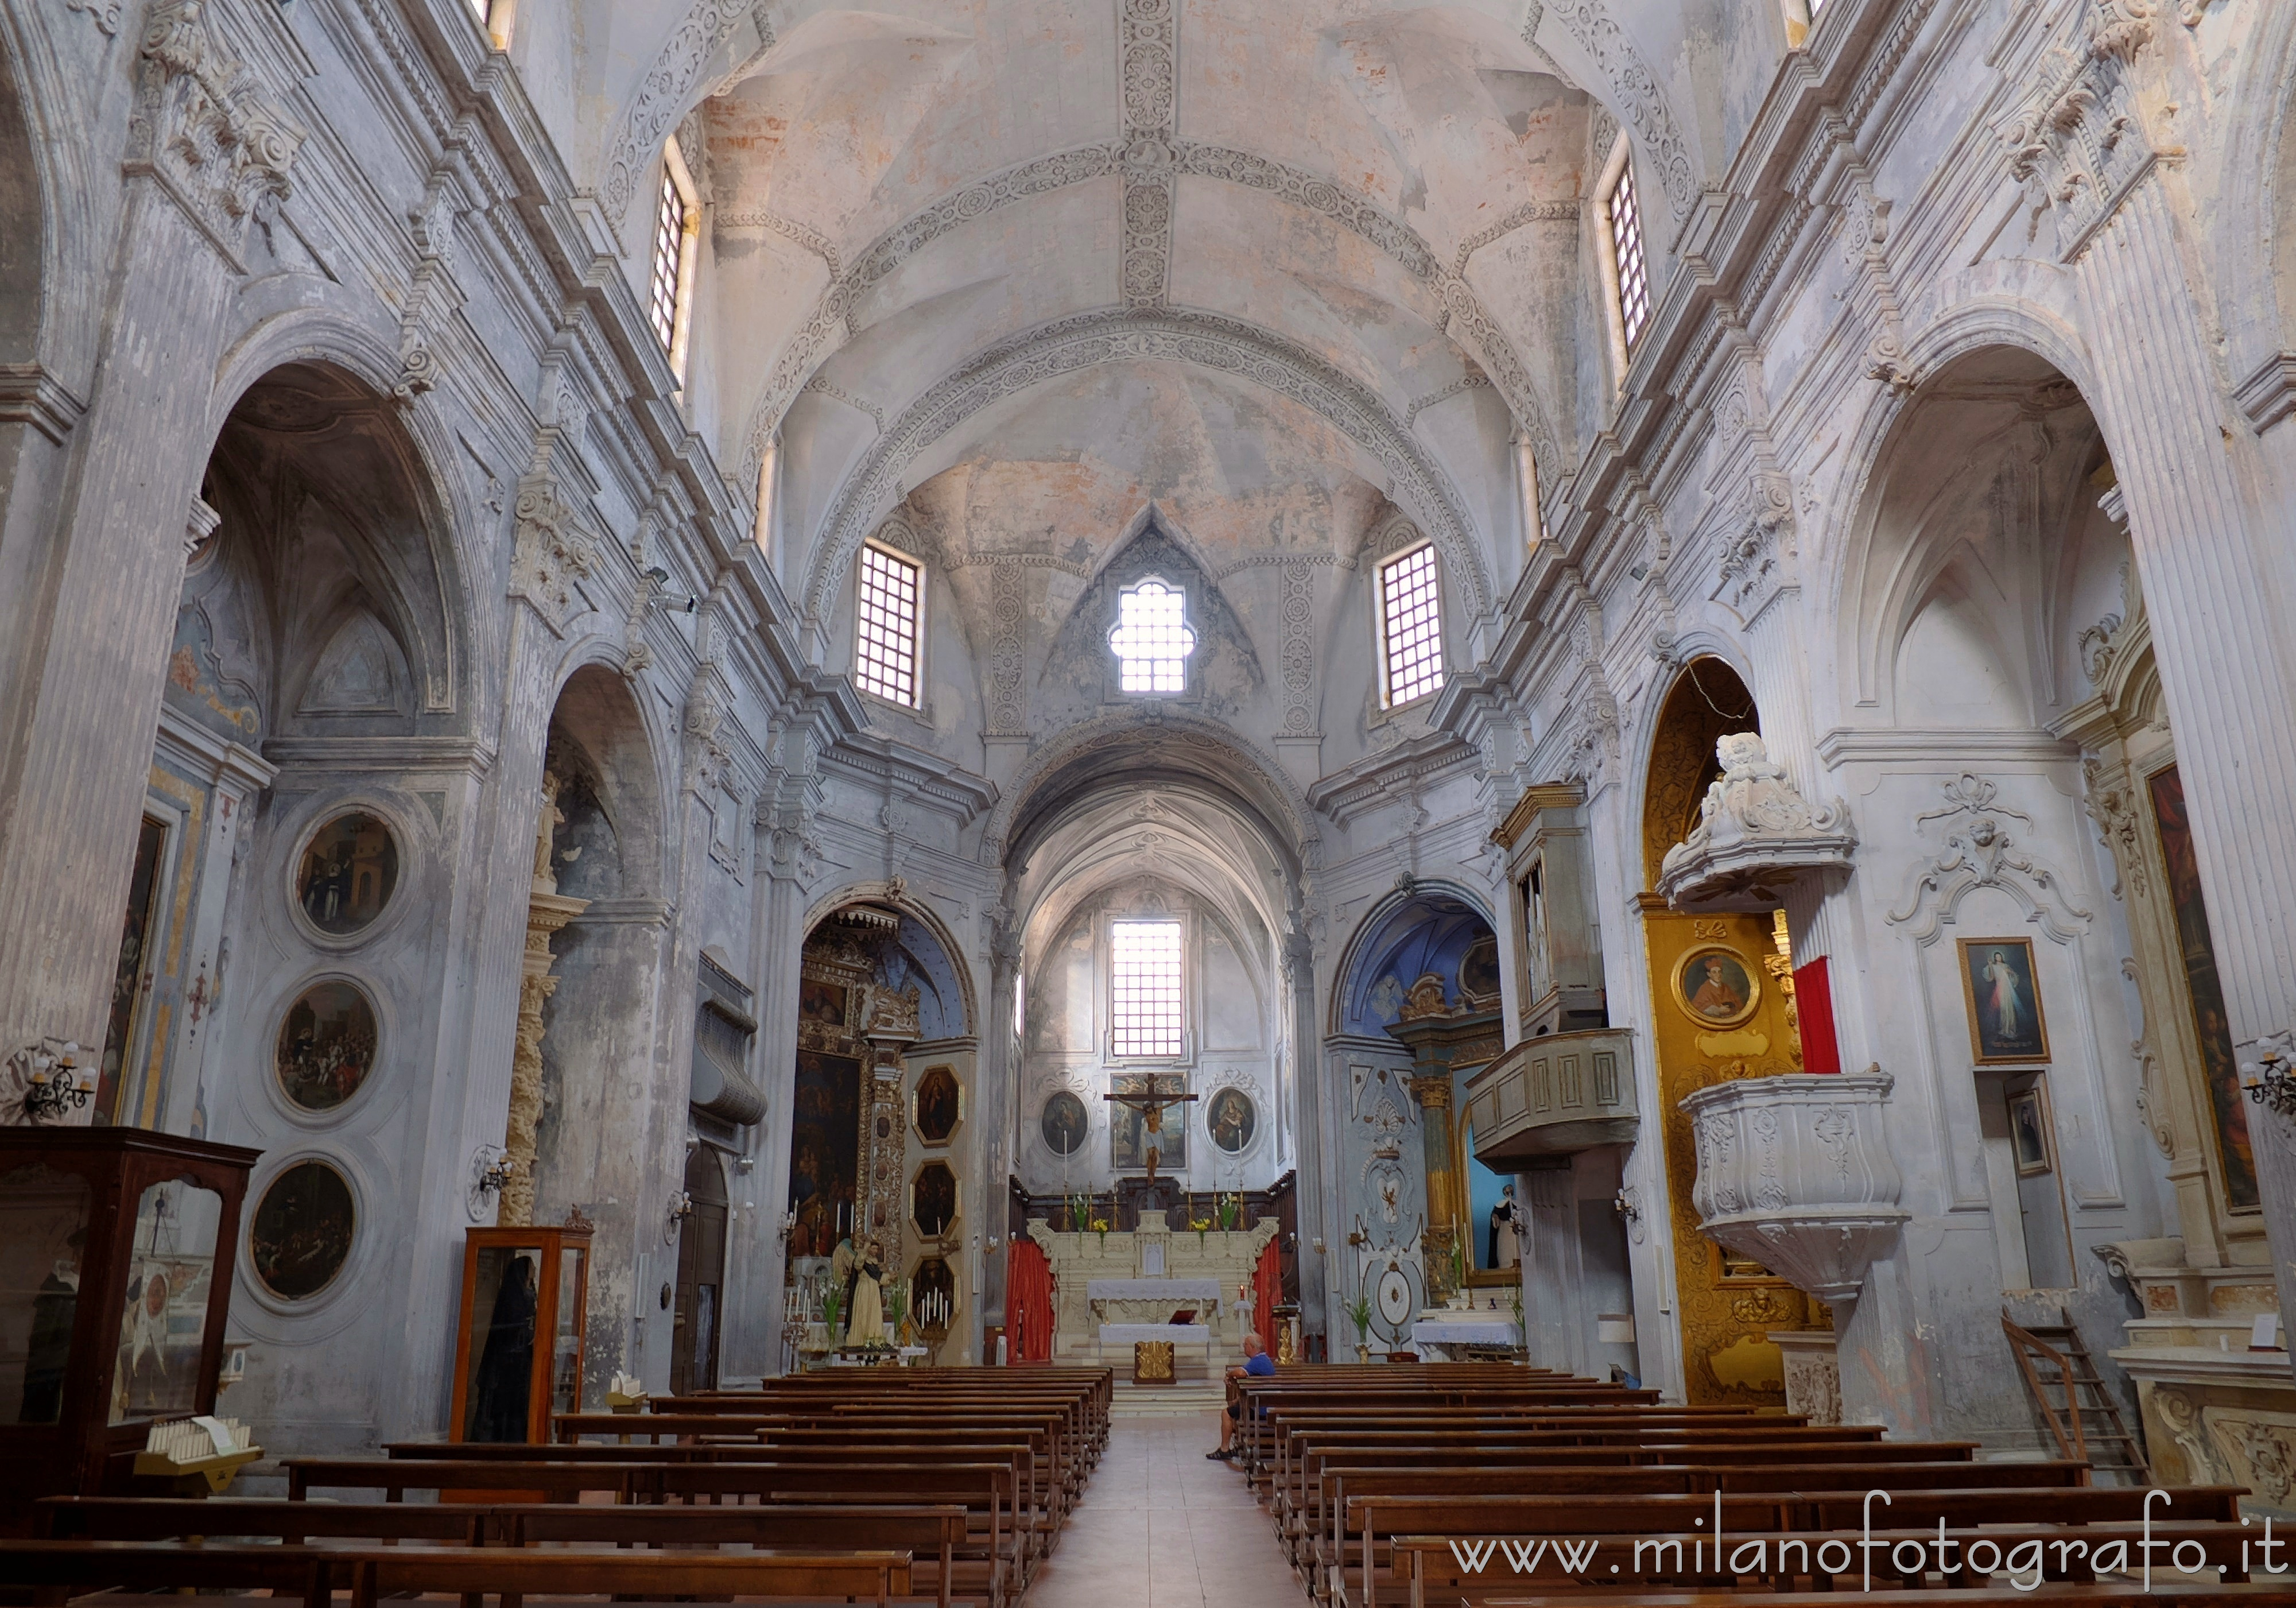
{"x":1159,"y":1527}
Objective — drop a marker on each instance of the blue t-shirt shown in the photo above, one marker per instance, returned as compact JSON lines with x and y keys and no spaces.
{"x":1260,"y":1366}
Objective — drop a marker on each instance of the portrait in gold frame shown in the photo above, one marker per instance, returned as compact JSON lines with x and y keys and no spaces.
{"x":1715,"y":986}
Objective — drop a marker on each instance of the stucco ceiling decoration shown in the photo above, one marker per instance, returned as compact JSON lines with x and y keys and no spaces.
{"x":1419,"y":484}
{"x":1485,"y":342}
{"x":668,"y":92}
{"x":1634,"y":93}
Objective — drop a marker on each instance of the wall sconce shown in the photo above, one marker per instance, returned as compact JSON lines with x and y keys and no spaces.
{"x":2274,"y":1087}
{"x":681,"y":1207}
{"x":491,"y":1168}
{"x":52,"y":1085}
{"x":1628,"y":1205}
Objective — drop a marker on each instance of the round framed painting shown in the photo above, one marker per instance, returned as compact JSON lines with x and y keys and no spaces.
{"x":1232,"y":1120}
{"x":302,"y":1230}
{"x":347,"y":872}
{"x":326,"y":1045}
{"x":1716,"y":986}
{"x":1062,"y":1124}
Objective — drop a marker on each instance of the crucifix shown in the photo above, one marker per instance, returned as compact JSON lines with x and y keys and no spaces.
{"x":1149,"y":1102}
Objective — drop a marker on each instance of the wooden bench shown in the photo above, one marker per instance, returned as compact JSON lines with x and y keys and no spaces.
{"x":57,"y":1570}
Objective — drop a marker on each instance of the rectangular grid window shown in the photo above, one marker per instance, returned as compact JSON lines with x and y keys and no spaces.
{"x":1411,"y":625}
{"x":669,"y":255}
{"x":885,"y":648}
{"x":1144,"y":987}
{"x":1626,"y":247}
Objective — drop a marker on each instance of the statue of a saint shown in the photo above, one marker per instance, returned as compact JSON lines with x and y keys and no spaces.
{"x":862,"y":1270}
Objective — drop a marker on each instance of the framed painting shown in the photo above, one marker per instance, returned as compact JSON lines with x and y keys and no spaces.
{"x":326,"y":1045}
{"x":1232,"y":1120}
{"x":1063,"y":1123}
{"x":939,"y":1104}
{"x":2005,"y":1023}
{"x":2028,"y":1132}
{"x":1716,"y":986}
{"x":347,"y":872}
{"x":301,"y":1235}
{"x":933,"y":1199}
{"x":822,"y":1003}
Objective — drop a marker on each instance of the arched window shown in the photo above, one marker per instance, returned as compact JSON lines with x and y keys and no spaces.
{"x":1153,"y":638}
{"x":676,"y":244}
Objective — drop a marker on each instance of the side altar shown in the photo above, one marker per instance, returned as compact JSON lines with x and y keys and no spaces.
{"x":1135,"y":1279}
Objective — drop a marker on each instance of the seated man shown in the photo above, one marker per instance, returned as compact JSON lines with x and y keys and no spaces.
{"x":1259,"y":1364}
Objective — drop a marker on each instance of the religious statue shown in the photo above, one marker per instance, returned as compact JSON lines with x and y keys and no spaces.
{"x":545,"y":829}
{"x":1506,"y":1230}
{"x":862,"y":1270}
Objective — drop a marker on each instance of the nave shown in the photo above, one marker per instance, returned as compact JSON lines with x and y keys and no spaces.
{"x":1472,"y":1485}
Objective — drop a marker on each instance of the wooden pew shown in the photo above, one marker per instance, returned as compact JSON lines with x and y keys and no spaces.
{"x":937,"y":1532}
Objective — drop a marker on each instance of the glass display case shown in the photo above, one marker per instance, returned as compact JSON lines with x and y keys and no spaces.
{"x":116,"y":1247}
{"x":518,"y":1353}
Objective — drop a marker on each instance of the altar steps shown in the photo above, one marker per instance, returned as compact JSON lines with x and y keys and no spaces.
{"x":1166,"y":1401}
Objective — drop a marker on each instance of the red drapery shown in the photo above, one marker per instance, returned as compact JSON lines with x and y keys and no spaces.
{"x":1029,"y":1303}
{"x":1267,"y":1290}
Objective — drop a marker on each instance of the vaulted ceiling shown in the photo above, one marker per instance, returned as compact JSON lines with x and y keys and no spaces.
{"x":1189,"y":250}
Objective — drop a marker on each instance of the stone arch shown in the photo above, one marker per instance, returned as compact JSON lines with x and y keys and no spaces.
{"x":1921,"y":553}
{"x":619,"y":768}
{"x":897,"y":898}
{"x":1087,"y":340}
{"x":1698,"y":705}
{"x":1383,"y":930}
{"x":328,"y":509}
{"x":1156,"y":737}
{"x":50,"y":233}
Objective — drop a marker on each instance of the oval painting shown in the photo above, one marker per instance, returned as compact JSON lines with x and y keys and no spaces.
{"x":326,"y":1045}
{"x":302,"y":1236}
{"x":1715,"y":987}
{"x":1232,"y":1120}
{"x":347,"y":873}
{"x":1062,"y":1124}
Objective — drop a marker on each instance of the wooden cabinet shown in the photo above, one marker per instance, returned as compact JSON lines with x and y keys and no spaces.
{"x":518,"y":1351}
{"x":117,"y":1249}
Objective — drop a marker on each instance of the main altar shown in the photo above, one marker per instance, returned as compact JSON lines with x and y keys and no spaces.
{"x":1111,"y":1290}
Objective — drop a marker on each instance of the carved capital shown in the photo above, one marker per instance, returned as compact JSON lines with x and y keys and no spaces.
{"x":206,"y":126}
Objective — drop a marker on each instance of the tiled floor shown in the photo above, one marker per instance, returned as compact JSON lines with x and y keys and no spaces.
{"x":1160,"y":1528}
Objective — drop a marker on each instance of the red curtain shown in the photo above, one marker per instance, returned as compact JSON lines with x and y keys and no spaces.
{"x":1267,"y":1290}
{"x":1029,"y":1303}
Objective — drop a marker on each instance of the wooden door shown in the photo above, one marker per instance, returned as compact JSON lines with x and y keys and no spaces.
{"x":701,"y":1278}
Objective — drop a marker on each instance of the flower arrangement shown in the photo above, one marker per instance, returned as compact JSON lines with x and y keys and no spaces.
{"x":1079,"y":1212}
{"x":832,"y":1300}
{"x":1358,"y":1312}
{"x":1458,"y":1262}
{"x":1201,"y":1225}
{"x":1100,"y":1226}
{"x":1230,"y":1207}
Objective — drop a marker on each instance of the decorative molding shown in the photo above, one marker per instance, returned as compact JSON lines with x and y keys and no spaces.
{"x":1473,"y":380}
{"x":1979,"y":852}
{"x":103,"y":13}
{"x":207,"y":129}
{"x":1008,"y":696}
{"x":1530,"y":212}
{"x":2268,"y":394}
{"x":664,"y":92}
{"x":1636,"y":93}
{"x":551,"y":551}
{"x":821,"y":387}
{"x":1795,"y":1172}
{"x":1148,"y":68}
{"x":1757,"y":566}
{"x":1755,"y":834}
{"x":1085,"y":339}
{"x":1297,"y":655}
{"x":788,"y":228}
{"x":2077,"y":141}
{"x":30,"y":395}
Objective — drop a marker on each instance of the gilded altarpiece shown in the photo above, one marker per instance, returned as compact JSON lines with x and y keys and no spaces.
{"x":1721,"y":1007}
